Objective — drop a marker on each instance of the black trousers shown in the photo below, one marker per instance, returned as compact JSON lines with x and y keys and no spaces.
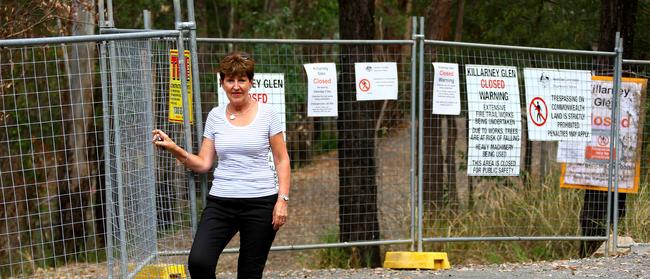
{"x":222,"y":219}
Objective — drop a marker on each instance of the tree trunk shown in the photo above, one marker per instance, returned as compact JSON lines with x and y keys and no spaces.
{"x":78,"y":200}
{"x":357,"y":168}
{"x":460,"y":15}
{"x":615,"y":16}
{"x":438,"y":27}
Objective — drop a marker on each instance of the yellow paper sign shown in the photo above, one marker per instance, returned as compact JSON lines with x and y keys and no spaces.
{"x":175,"y":93}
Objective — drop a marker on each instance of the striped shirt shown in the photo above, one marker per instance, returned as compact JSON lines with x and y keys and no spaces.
{"x":243,"y":169}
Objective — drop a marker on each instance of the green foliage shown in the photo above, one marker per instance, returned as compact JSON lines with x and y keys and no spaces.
{"x":636,"y":222}
{"x":539,"y":209}
{"x":333,"y":257}
{"x":556,"y":24}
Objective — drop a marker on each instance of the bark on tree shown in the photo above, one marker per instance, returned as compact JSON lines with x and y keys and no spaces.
{"x":615,"y":16}
{"x":437,"y":27}
{"x":77,"y":202}
{"x":358,"y":216}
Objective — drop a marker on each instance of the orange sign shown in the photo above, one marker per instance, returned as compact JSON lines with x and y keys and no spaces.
{"x":593,"y":174}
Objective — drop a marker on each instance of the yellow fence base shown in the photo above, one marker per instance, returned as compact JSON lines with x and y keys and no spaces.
{"x":162,"y":271}
{"x":416,"y":260}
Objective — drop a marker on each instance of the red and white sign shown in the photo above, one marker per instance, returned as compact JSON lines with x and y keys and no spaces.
{"x":538,"y":111}
{"x":446,"y":89}
{"x":322,"y":99}
{"x":364,"y":85}
{"x":376,"y":81}
{"x":494,"y":120}
{"x":559,"y":104}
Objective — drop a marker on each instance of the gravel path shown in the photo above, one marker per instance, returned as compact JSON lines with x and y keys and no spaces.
{"x":636,"y":265}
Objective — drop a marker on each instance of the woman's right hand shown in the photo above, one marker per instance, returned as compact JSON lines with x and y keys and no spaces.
{"x":162,"y":140}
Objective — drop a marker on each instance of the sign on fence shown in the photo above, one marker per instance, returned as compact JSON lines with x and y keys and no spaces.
{"x":322,"y":97}
{"x":494,"y":120}
{"x":558,"y":104}
{"x":446,"y":89}
{"x":175,"y":93}
{"x":593,"y":173}
{"x":376,"y":81}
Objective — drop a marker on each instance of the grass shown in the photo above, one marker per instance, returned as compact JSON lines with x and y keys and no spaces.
{"x":541,"y":209}
{"x":333,"y":257}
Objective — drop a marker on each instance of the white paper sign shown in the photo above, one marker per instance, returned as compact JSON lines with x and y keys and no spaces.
{"x":267,"y":88}
{"x":571,"y":151}
{"x":494,"y":121}
{"x":321,"y":89}
{"x":558,"y":104}
{"x":446,"y":89}
{"x":376,"y":81}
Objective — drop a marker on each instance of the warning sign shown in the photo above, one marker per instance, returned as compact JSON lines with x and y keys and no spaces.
{"x":322,"y":99}
{"x":538,"y":111}
{"x":446,"y":89}
{"x":376,"y":81}
{"x":175,"y":93}
{"x":364,"y":85}
{"x":494,"y":120}
{"x":593,"y":173}
{"x":559,"y":104}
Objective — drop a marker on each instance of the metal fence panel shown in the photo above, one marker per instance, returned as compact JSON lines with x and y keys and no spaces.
{"x":83,"y":192}
{"x":530,"y":204}
{"x":635,"y":209}
{"x":132,"y":183}
{"x":381,"y":139}
{"x":51,"y":163}
{"x":174,"y":210}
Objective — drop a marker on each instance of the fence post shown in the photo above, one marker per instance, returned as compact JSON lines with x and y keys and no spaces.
{"x":196,"y":95}
{"x":414,"y":24}
{"x":420,"y":134}
{"x":149,"y":118}
{"x":191,"y":185}
{"x":612,"y":172}
{"x":107,"y":165}
{"x":616,"y":111}
{"x":118,"y":156}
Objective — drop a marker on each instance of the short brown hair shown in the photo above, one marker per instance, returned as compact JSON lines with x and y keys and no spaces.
{"x":237,"y":63}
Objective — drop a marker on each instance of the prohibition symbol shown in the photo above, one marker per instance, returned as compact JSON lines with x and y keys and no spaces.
{"x":364,"y":85}
{"x":537,"y":111}
{"x":603,"y":140}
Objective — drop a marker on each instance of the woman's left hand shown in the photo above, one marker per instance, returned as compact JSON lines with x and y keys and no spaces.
{"x":279,"y":214}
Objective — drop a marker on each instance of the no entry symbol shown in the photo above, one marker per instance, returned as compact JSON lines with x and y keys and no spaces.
{"x":364,"y":85}
{"x":603,"y":140}
{"x":537,"y":111}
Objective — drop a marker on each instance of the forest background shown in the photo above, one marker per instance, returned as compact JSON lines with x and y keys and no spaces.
{"x":578,"y":24}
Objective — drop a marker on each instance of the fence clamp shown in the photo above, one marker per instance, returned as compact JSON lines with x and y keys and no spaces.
{"x":189,"y":25}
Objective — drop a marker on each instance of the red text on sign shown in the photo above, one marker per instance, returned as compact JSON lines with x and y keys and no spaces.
{"x":260,"y":97}
{"x":607,"y":121}
{"x":446,"y":73}
{"x":493,"y":83}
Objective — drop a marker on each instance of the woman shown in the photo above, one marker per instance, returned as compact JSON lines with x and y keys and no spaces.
{"x":243,"y":197}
